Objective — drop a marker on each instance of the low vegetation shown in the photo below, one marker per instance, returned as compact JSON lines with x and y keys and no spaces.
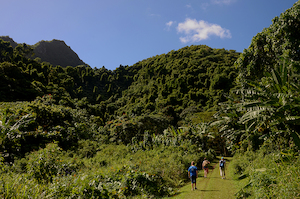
{"x":267,"y":174}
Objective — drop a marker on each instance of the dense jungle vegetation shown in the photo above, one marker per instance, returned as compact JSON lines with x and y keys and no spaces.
{"x":79,"y":132}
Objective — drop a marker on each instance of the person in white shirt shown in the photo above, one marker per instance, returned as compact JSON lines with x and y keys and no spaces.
{"x":222,"y":165}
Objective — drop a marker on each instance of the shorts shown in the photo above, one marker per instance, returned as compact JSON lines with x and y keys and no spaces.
{"x":193,"y":179}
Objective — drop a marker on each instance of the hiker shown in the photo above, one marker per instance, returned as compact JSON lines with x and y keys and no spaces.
{"x":193,"y":175}
{"x":222,"y":167}
{"x":205,"y":167}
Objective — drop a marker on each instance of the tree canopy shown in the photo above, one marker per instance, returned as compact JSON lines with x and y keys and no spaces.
{"x":267,"y":48}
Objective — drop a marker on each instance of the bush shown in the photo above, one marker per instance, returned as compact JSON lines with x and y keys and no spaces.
{"x":47,"y":163}
{"x":123,"y":129}
{"x":268,"y":175}
{"x":86,"y":148}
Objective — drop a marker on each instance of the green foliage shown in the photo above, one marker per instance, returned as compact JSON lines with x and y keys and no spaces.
{"x":125,"y":128}
{"x":196,"y":136}
{"x":45,"y":164}
{"x":265,"y":104}
{"x":29,"y":126}
{"x":113,"y":172}
{"x":195,"y":76}
{"x":262,"y":113}
{"x":25,"y":79}
{"x":192,"y":76}
{"x":268,"y":174}
{"x":268,"y":109}
{"x":14,"y":123}
{"x":90,"y":168}
{"x":86,"y":148}
{"x":6,"y":53}
{"x":280,"y":39}
{"x":14,"y":83}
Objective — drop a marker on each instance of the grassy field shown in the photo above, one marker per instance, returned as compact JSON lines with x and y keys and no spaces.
{"x":211,"y":187}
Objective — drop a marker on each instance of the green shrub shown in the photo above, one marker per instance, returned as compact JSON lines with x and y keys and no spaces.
{"x":86,"y":148}
{"x":46,"y":163}
{"x":123,"y":129}
{"x":268,"y":174}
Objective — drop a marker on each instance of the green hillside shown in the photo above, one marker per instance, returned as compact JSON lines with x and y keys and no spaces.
{"x":195,"y":76}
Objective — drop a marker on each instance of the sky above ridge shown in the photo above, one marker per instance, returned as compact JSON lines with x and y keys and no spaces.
{"x":111,"y":33}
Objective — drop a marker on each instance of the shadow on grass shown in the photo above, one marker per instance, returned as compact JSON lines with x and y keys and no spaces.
{"x":209,"y":178}
{"x":197,"y":190}
{"x":209,"y":190}
{"x":227,"y":179}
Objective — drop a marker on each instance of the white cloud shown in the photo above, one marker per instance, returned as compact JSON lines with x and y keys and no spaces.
{"x":169,"y":24}
{"x":222,"y":1}
{"x":188,"y":6}
{"x":155,"y":15}
{"x":204,"y":6}
{"x":196,"y":31}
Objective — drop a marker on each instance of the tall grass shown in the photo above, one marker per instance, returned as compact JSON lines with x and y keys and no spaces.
{"x":268,"y":174}
{"x":51,"y":164}
{"x":113,"y":171}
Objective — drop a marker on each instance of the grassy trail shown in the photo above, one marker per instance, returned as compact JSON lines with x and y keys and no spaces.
{"x":211,"y":187}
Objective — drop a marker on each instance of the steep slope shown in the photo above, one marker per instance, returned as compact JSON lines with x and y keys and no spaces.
{"x":7,"y":38}
{"x":56,"y":52}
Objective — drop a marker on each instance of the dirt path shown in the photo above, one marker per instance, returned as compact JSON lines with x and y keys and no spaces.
{"x":211,"y":187}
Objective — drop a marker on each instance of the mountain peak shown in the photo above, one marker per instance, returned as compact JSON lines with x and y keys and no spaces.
{"x":7,"y":38}
{"x":56,"y":52}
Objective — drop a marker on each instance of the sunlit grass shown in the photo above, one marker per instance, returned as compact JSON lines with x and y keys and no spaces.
{"x":267,"y":175}
{"x":212,"y":186}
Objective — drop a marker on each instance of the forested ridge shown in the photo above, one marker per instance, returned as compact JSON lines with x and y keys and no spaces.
{"x":195,"y":76}
{"x":87,"y":132}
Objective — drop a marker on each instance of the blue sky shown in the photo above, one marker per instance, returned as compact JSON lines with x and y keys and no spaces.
{"x":111,"y":33}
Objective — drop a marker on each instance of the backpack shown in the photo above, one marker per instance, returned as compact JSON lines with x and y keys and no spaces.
{"x":222,"y":164}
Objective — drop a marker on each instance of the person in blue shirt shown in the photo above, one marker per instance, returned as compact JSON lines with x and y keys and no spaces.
{"x":193,"y":175}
